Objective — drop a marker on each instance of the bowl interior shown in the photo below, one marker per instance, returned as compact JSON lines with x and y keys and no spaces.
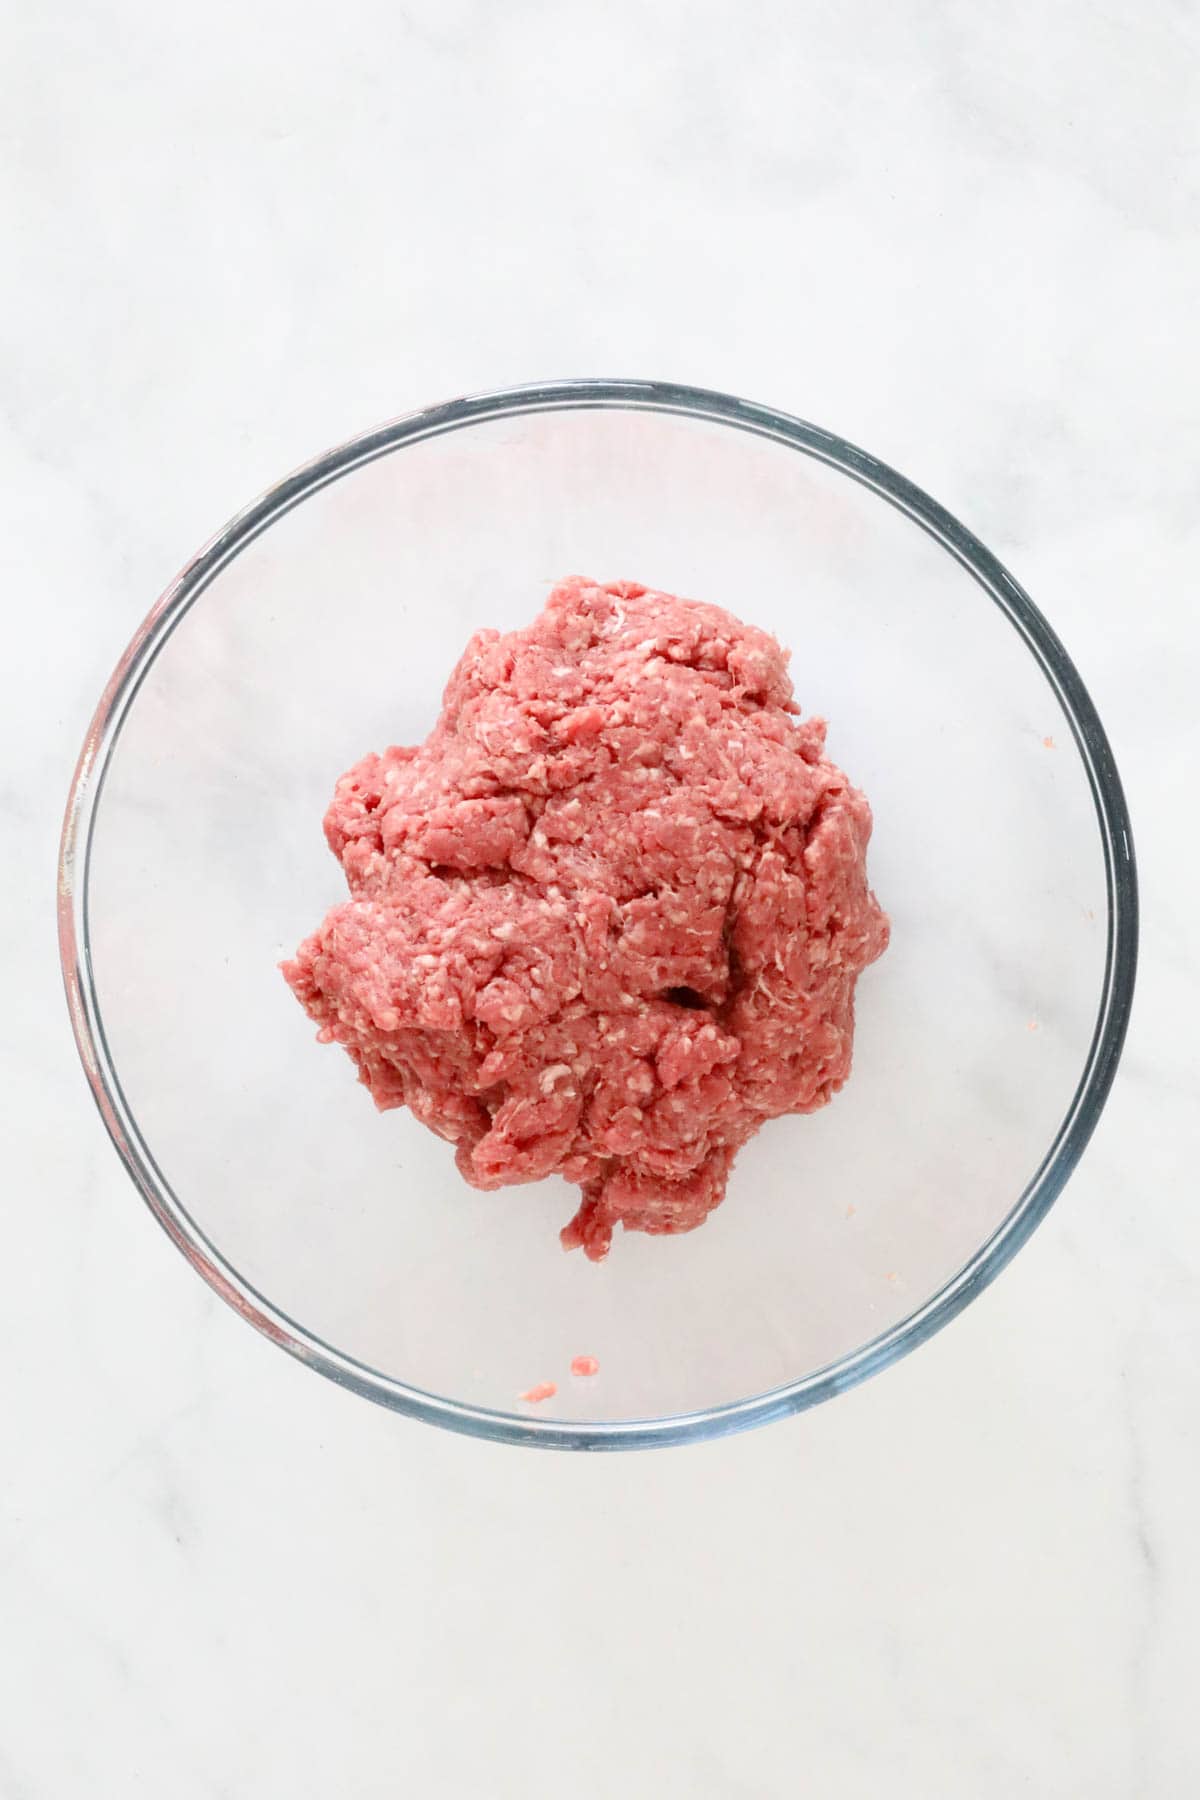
{"x":331,"y":634}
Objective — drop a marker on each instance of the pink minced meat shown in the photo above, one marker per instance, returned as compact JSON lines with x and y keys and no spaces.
{"x":608,"y":917}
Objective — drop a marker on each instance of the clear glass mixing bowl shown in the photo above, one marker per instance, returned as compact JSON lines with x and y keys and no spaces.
{"x":322,"y":623}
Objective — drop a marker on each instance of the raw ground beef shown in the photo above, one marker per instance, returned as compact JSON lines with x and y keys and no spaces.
{"x":608,"y":917}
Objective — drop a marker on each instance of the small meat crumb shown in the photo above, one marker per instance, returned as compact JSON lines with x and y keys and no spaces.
{"x":1047,"y":743}
{"x":542,"y":1390}
{"x":584,"y":1365}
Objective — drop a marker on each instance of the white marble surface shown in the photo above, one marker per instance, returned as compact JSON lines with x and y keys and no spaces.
{"x":964,"y":235}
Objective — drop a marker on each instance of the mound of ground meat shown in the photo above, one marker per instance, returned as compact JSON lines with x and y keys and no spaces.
{"x":608,"y":917}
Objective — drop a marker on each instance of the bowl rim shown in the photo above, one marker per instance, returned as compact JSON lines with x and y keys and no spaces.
{"x":1067,"y":1145}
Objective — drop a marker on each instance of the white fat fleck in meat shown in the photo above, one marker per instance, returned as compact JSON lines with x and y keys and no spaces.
{"x":555,"y":1073}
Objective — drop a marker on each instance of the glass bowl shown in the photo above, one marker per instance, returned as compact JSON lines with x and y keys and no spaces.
{"x":322,"y":623}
